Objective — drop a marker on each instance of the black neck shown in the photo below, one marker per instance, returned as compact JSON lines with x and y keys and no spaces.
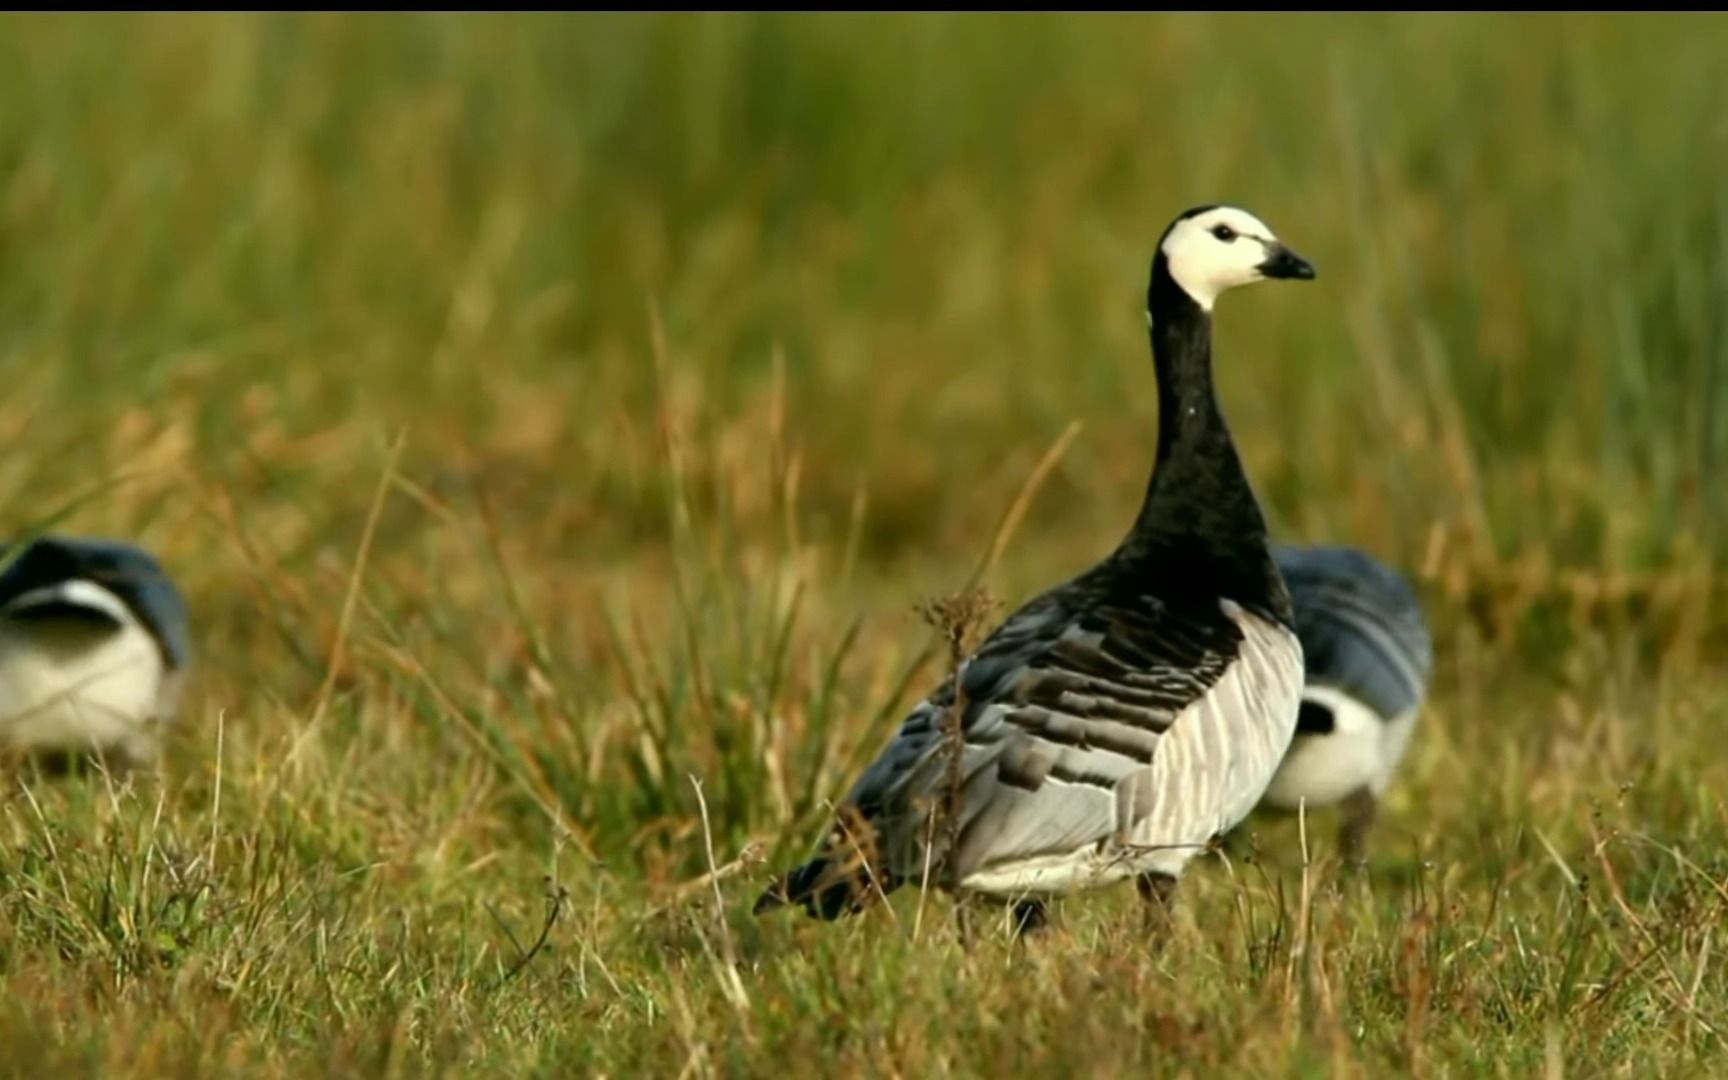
{"x":1200,"y":514}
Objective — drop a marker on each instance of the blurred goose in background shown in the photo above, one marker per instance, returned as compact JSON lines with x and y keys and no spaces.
{"x":94,"y":645}
{"x":1114,"y":725}
{"x":1369,"y":656}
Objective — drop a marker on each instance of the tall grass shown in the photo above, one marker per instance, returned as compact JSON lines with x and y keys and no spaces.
{"x":549,"y":415}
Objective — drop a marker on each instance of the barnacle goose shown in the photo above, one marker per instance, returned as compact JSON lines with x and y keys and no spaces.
{"x":1114,"y":725}
{"x":93,"y":648}
{"x":1369,"y":656}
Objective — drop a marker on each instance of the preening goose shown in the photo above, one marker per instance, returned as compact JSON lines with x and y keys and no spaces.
{"x":1115,"y":724}
{"x":93,"y":647}
{"x":1369,"y":656}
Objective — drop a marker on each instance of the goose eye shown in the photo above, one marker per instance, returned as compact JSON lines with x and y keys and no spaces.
{"x":1224,"y":233}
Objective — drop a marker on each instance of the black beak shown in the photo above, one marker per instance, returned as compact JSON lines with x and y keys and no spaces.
{"x":1281,"y":262}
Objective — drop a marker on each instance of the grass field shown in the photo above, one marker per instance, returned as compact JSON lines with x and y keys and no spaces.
{"x":554,"y":422}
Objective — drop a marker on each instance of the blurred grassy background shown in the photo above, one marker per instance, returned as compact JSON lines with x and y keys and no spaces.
{"x":541,"y":409}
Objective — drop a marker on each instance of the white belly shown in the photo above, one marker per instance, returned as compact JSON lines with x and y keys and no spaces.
{"x":1361,"y":751}
{"x":70,"y":685}
{"x":1091,"y":868}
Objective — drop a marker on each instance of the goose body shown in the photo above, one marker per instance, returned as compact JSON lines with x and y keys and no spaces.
{"x":93,"y":648}
{"x":1113,"y":726}
{"x":1369,"y":656}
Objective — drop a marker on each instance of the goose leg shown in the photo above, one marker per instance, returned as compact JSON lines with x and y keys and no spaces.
{"x":1159,"y":893}
{"x":963,"y":921}
{"x":54,"y":763}
{"x":1030,"y":917}
{"x":58,"y":763}
{"x":1358,"y":817}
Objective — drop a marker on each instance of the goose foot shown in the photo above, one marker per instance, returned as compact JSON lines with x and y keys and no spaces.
{"x":1030,"y":917}
{"x":1358,"y":811}
{"x":1159,"y":893}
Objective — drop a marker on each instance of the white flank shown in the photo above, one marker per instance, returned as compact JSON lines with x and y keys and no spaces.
{"x":1360,"y":751}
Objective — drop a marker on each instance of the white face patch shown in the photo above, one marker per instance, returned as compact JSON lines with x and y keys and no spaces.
{"x":1217,"y":250}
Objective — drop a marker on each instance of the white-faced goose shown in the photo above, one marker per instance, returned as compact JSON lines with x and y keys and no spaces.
{"x":1115,"y":724}
{"x":1369,"y":656}
{"x":93,"y":647}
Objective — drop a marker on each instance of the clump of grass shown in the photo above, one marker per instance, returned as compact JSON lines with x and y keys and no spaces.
{"x":959,"y":619}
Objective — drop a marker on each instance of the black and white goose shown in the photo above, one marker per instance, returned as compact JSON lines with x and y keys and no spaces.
{"x":93,"y":647}
{"x":1369,"y":656}
{"x":1114,"y":725}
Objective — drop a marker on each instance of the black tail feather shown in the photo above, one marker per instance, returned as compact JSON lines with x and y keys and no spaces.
{"x":843,"y":879}
{"x":825,"y":889}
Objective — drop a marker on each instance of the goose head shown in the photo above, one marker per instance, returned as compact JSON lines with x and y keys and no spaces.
{"x":1213,"y":248}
